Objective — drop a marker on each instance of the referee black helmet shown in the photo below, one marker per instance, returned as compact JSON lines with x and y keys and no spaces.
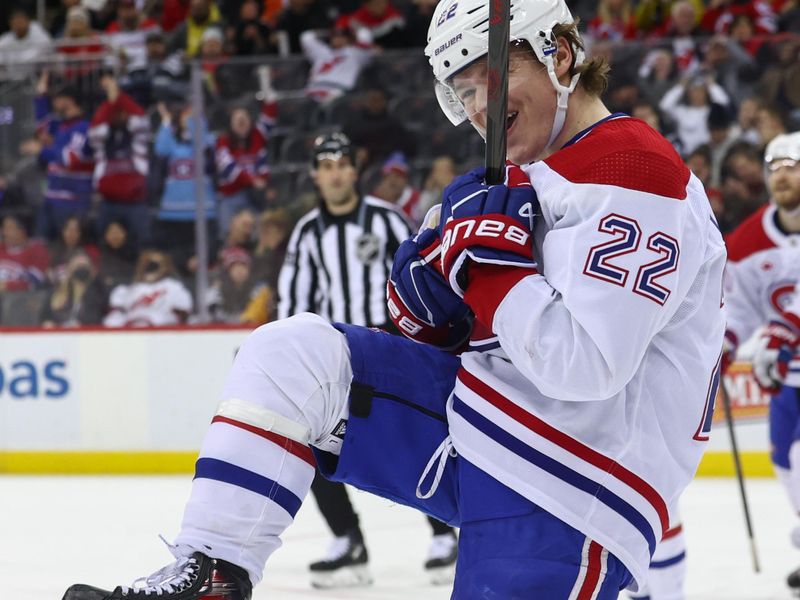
{"x":331,"y":146}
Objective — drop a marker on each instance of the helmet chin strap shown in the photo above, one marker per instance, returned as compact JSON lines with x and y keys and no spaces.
{"x":562,"y":96}
{"x":562,"y":99}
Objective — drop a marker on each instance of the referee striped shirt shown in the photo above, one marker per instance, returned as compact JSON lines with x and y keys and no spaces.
{"x":337,"y":266}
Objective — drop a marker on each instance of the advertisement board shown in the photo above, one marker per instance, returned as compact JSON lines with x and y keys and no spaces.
{"x":750,"y":409}
{"x":100,"y":400}
{"x":139,"y":401}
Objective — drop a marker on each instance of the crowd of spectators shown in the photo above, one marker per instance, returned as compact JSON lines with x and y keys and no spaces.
{"x":98,"y":205}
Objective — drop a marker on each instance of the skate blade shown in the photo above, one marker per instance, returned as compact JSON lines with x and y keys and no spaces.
{"x":344,"y":577}
{"x":442,"y":575}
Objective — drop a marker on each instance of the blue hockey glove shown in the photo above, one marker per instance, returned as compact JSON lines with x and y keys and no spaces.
{"x":487,"y":224}
{"x":421,"y":303}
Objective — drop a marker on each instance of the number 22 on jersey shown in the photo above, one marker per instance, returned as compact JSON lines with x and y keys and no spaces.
{"x":626,"y":236}
{"x":600,"y":264}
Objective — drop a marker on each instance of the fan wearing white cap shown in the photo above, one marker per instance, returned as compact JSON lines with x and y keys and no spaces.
{"x":555,"y":393}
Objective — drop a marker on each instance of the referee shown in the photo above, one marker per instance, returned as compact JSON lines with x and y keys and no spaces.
{"x":337,"y":264}
{"x":340,"y":253}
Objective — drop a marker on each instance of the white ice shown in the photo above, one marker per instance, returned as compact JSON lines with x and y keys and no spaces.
{"x":55,"y":531}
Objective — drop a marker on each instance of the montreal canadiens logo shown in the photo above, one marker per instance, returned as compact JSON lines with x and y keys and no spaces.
{"x":780,"y":296}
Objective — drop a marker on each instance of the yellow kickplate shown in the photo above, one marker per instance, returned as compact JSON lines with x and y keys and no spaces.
{"x":96,"y":463}
{"x":720,"y":464}
{"x":714,"y":464}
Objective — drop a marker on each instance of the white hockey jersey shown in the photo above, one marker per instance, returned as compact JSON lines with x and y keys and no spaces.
{"x":763,"y":266}
{"x":593,"y":396}
{"x":334,"y":71}
{"x":148,"y":304}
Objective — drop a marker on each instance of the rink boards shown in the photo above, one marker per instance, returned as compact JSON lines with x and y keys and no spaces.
{"x":139,"y":401}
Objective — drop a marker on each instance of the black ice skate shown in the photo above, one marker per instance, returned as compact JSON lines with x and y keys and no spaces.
{"x":345,"y":565}
{"x":195,"y":578}
{"x":442,"y":555}
{"x":793,"y":581}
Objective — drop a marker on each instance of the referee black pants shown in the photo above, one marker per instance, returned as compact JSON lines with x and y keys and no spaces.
{"x":338,"y":511}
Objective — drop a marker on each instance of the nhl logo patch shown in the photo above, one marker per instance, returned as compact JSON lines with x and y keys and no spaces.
{"x":368,"y":248}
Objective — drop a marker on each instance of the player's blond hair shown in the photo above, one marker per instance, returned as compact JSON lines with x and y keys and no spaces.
{"x":594,"y":71}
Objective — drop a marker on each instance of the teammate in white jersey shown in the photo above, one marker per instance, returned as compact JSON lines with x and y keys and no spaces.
{"x":764,"y":252}
{"x":585,"y":293}
{"x":763,"y":282}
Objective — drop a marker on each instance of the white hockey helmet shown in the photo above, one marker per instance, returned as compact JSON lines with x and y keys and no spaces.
{"x":783,"y":150}
{"x":459,"y":35}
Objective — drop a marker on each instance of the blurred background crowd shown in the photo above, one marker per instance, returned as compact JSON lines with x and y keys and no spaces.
{"x":103,"y":158}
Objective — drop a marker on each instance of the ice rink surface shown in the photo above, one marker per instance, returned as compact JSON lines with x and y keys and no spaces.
{"x":55,"y":531}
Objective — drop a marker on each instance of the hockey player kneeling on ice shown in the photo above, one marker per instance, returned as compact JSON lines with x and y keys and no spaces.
{"x":583,"y":295}
{"x":761,"y":282}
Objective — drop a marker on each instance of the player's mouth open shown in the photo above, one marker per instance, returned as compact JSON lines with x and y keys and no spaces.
{"x":510,"y":120}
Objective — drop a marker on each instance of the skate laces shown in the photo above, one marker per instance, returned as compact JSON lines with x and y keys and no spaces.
{"x":441,"y":546}
{"x":439,"y":458}
{"x":170,"y":579}
{"x":339,"y":548}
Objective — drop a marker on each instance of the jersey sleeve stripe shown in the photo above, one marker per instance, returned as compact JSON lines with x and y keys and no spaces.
{"x":670,"y":533}
{"x":569,"y":444}
{"x":299,"y":450}
{"x":592,"y":572}
{"x":557,"y":469}
{"x":663,"y":564}
{"x":225,"y":472}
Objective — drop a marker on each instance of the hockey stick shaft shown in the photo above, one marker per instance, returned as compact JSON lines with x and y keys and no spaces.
{"x":497,"y":90}
{"x":726,"y":401}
